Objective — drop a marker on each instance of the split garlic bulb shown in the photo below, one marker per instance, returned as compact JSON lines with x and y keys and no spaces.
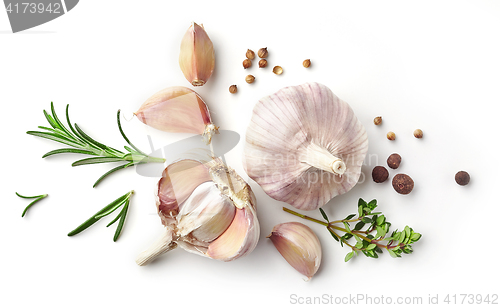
{"x":304,"y":146}
{"x":207,"y":209}
{"x":197,"y":57}
{"x":178,"y":110}
{"x":299,"y":245}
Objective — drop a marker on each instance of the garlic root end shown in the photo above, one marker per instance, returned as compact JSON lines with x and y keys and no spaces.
{"x":160,"y":246}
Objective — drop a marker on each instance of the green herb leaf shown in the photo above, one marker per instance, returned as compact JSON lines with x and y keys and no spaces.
{"x":37,"y":198}
{"x":349,"y":256}
{"x":324,"y":215}
{"x":359,"y":226}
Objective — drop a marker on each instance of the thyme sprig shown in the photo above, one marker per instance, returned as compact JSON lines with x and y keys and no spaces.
{"x":105,"y":211}
{"x":37,"y":198}
{"x":81,"y":143}
{"x":369,"y":232}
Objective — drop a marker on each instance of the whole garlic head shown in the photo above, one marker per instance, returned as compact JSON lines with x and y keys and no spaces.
{"x":304,"y":146}
{"x":207,"y":209}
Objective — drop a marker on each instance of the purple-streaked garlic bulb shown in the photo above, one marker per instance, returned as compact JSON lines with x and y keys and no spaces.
{"x":207,"y":209}
{"x":304,"y":146}
{"x":197,"y":56}
{"x":178,"y":110}
{"x":299,"y":245}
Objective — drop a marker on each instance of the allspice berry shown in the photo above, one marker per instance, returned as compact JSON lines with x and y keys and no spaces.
{"x":250,"y":54}
{"x":262,"y":63}
{"x":391,"y":136}
{"x":462,"y":178}
{"x":377,"y":121}
{"x":263,"y":53}
{"x":394,"y":160}
{"x":379,"y":174}
{"x":306,"y":63}
{"x":278,"y":70}
{"x":249,"y":79}
{"x":233,"y":89}
{"x":247,"y":63}
{"x":402,"y":183}
{"x":418,"y":133}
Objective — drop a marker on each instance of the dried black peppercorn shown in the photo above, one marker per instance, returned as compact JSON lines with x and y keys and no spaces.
{"x":402,"y":183}
{"x":380,"y":174}
{"x":462,"y":178}
{"x":394,"y":161}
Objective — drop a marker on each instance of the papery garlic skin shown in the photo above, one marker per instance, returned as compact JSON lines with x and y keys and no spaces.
{"x":208,"y":209}
{"x":304,"y":146}
{"x":197,"y":56}
{"x":299,"y":245}
{"x":178,"y":110}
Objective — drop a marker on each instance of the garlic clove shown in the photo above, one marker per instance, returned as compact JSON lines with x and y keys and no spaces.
{"x":299,"y":245}
{"x":178,"y":181}
{"x":239,"y":239}
{"x":178,"y":110}
{"x":206,"y":214}
{"x":304,"y":146}
{"x":197,"y":56}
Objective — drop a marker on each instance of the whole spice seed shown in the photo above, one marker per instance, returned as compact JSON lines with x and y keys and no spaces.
{"x":394,"y":160}
{"x":462,"y":178}
{"x":391,"y":136}
{"x":278,"y":70}
{"x":380,"y":174}
{"x":263,"y":53}
{"x":249,"y":78}
{"x":418,"y":133}
{"x":250,"y":54}
{"x":377,"y":121}
{"x":247,"y":63}
{"x":262,"y":63}
{"x":306,"y":63}
{"x":233,"y":89}
{"x":402,"y":183}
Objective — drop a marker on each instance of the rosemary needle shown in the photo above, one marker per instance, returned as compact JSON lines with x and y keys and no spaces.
{"x":37,"y":198}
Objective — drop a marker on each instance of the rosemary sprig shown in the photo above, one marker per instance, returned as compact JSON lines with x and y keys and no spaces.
{"x":108,"y":209}
{"x":37,"y":198}
{"x":372,"y":240}
{"x":81,"y":143}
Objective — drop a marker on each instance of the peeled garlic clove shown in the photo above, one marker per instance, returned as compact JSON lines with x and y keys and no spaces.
{"x":206,"y":214}
{"x":299,"y":245}
{"x":304,"y":146}
{"x":197,"y":56}
{"x":178,"y":110}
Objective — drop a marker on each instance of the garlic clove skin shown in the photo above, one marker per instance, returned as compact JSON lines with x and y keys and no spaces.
{"x":299,"y":245}
{"x":206,"y":214}
{"x":178,"y":110}
{"x":197,"y":56}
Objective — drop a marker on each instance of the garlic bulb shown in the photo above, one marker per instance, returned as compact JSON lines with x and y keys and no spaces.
{"x":304,"y":146}
{"x":178,"y":110}
{"x":207,"y":209}
{"x":299,"y":245}
{"x":197,"y":57}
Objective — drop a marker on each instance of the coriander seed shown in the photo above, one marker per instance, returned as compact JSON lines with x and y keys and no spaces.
{"x":247,"y":63}
{"x":278,"y":70}
{"x":394,"y":160}
{"x":233,"y":89}
{"x":250,"y":54}
{"x":391,"y":136}
{"x":418,"y":133}
{"x":249,"y":78}
{"x":402,"y":183}
{"x":377,"y":121}
{"x":462,"y":178}
{"x":306,"y":63}
{"x":380,"y":174}
{"x":262,"y":63}
{"x":263,"y":53}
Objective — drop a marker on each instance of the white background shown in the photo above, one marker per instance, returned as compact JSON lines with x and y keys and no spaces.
{"x":432,"y":65}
